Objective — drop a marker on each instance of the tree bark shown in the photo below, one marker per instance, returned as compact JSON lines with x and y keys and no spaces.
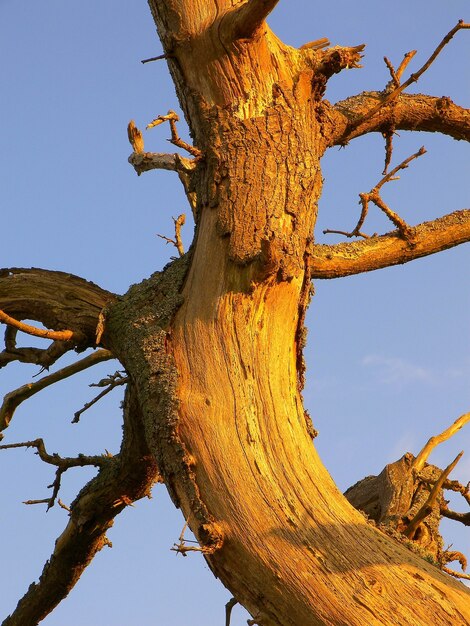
{"x":221,"y":387}
{"x":213,"y":344}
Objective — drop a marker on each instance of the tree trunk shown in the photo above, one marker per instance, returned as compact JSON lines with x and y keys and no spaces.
{"x":220,"y":382}
{"x":213,"y":344}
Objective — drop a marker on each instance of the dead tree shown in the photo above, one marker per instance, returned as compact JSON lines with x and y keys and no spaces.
{"x":211,"y":346}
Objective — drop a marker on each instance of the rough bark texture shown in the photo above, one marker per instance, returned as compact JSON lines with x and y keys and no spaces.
{"x":213,"y":344}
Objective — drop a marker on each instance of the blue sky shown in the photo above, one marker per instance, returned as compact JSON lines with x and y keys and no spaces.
{"x":388,"y":352}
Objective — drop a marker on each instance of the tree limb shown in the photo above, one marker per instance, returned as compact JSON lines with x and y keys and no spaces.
{"x":246,"y":19}
{"x":415,"y":112}
{"x":122,"y":480}
{"x":346,"y":259}
{"x":56,"y":299}
{"x":390,"y":96}
{"x":426,"y":509}
{"x":13,"y":399}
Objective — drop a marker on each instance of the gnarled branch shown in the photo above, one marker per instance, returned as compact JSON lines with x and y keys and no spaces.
{"x":415,"y":112}
{"x":56,"y":299}
{"x":121,"y":481}
{"x":346,"y":259}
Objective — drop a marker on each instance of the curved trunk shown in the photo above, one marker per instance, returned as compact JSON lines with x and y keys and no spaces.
{"x":220,"y":382}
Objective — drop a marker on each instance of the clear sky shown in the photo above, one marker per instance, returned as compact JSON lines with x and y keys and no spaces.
{"x":388,"y":352}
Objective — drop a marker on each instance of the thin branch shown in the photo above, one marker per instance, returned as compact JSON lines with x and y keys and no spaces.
{"x":158,"y":58}
{"x":404,"y":64}
{"x":347,"y":259}
{"x":426,"y":509}
{"x":62,"y":464}
{"x":113,"y":381}
{"x":172,"y":117}
{"x":455,"y":574}
{"x":412,"y":79}
{"x":433,"y":442}
{"x":247,"y":19}
{"x":13,"y":399}
{"x":36,"y":356}
{"x":463,"y":518}
{"x":58,"y":335}
{"x":177,"y":242}
{"x":374,"y":196}
{"x":228,"y":610}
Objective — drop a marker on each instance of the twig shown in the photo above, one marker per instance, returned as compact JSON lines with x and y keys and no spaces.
{"x":158,"y":58}
{"x":177,"y":242}
{"x":374,"y":196}
{"x":426,"y":509}
{"x":60,"y":335}
{"x":13,"y":399}
{"x":62,"y":464}
{"x":395,"y":80}
{"x":115,"y":380}
{"x":404,"y":64}
{"x":171,"y":117}
{"x":388,"y":136}
{"x":329,"y":231}
{"x":182,"y":548}
{"x":228,"y":610}
{"x":412,"y":79}
{"x":433,"y":442}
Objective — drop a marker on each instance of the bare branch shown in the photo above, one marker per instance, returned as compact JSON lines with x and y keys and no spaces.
{"x":56,"y":299}
{"x":37,"y":356}
{"x":412,"y":79}
{"x":247,"y":18}
{"x":171,"y":117}
{"x":121,"y":481}
{"x":346,"y":259}
{"x":374,"y":196}
{"x":62,"y":464}
{"x":228,"y":610}
{"x":463,"y":518}
{"x":111,"y":382}
{"x":426,"y":509}
{"x":148,"y":161}
{"x":433,"y":442}
{"x":177,"y":242}
{"x":13,"y":399}
{"x":58,"y":335}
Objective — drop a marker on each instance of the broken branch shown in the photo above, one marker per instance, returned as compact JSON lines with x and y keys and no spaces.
{"x":433,"y":442}
{"x":426,"y":509}
{"x":246,"y":19}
